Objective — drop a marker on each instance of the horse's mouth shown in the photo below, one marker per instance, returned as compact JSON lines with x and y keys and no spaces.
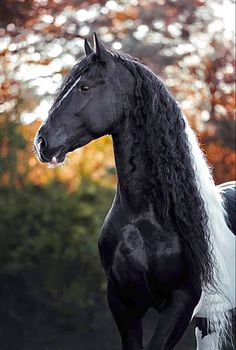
{"x":58,"y":157}
{"x":52,"y":160}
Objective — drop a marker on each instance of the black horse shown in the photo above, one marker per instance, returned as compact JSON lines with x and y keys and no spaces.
{"x":160,"y":241}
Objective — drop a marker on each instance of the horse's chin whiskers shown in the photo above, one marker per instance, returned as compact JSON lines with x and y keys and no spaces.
{"x":52,"y":166}
{"x":66,"y":161}
{"x":58,"y":165}
{"x":33,"y":149}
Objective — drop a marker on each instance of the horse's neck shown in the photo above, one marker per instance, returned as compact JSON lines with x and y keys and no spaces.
{"x":130,"y":182}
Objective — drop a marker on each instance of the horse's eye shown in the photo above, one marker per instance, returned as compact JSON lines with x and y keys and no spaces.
{"x":83,"y":88}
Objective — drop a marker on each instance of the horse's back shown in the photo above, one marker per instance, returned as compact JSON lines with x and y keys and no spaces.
{"x":228,"y":192}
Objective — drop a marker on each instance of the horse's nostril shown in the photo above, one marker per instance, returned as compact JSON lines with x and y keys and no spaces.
{"x":42,"y":143}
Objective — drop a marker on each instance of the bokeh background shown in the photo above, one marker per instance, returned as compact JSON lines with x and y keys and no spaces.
{"x":52,"y":288}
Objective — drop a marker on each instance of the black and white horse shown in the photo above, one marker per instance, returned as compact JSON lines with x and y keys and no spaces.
{"x":165,"y":243}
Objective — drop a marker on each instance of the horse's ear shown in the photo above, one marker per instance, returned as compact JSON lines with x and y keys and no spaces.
{"x":87,"y":48}
{"x":102,"y":53}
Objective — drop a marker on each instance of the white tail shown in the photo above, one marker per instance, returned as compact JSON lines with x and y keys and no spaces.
{"x":216,"y":304}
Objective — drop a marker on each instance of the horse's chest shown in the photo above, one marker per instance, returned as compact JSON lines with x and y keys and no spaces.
{"x":139,"y":252}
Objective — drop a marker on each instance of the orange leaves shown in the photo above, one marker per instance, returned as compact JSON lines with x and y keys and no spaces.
{"x":43,"y":62}
{"x":223,"y":160}
{"x":131,"y":12}
{"x":120,"y":19}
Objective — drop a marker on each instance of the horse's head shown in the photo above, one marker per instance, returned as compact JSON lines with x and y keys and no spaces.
{"x":90,"y":104}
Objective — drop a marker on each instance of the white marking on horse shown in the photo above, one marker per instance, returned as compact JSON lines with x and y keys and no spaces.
{"x":208,"y":342}
{"x":67,"y":93}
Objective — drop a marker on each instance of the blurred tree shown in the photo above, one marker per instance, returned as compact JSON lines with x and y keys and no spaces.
{"x":11,"y":141}
{"x":50,"y":237}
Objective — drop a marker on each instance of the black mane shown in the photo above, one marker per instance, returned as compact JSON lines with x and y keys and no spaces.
{"x":158,"y":125}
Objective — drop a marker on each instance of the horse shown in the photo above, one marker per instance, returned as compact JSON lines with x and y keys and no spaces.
{"x":168,"y":240}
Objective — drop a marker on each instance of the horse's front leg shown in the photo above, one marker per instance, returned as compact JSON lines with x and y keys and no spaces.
{"x":128,"y":320}
{"x":174,"y":319}
{"x":206,"y":337}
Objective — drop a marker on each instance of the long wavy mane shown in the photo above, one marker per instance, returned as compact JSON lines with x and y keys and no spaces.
{"x":159,"y":126}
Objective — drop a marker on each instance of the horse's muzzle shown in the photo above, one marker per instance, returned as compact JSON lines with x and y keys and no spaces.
{"x":46,"y":155}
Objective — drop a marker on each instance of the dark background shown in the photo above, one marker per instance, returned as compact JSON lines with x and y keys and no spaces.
{"x":52,"y":288}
